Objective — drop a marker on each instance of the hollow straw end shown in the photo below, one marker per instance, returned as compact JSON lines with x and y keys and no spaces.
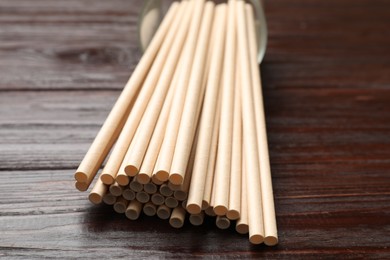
{"x":123,"y":180}
{"x":81,"y":186}
{"x":80,"y":176}
{"x":95,"y":198}
{"x":233,"y":214}
{"x":162,"y":176}
{"x":193,"y":208}
{"x":107,"y":178}
{"x":256,"y":239}
{"x":131,"y":170}
{"x":220,"y":210}
{"x":271,"y":240}
{"x":143,"y":178}
{"x":242,"y":229}
{"x":176,"y":179}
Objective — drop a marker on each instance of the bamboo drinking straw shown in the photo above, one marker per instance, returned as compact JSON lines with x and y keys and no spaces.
{"x":271,"y":235}
{"x":81,"y":186}
{"x":236,"y":166}
{"x":255,"y":212}
{"x":165,"y":190}
{"x":128,"y":194}
{"x":208,"y":115}
{"x":116,"y":189}
{"x":150,"y":116}
{"x":222,"y":173}
{"x":188,"y":124}
{"x":182,"y":194}
{"x":164,"y":161}
{"x":171,"y":202}
{"x":163,"y":212}
{"x":222,"y":222}
{"x":115,"y":120}
{"x":177,"y":217}
{"x":109,"y":199}
{"x":135,"y":185}
{"x":150,"y":187}
{"x":197,"y":219}
{"x":142,"y":196}
{"x":208,"y":189}
{"x":157,"y":199}
{"x":149,"y":209}
{"x":121,"y":205}
{"x":242,"y":222}
{"x":143,"y":102}
{"x":145,"y":173}
{"x":97,"y":193}
{"x":156,"y":181}
{"x":133,"y":210}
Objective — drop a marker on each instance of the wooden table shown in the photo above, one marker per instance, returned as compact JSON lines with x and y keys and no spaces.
{"x":326,"y":82}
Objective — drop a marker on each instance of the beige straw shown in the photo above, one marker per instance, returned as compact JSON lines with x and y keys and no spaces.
{"x":165,"y":190}
{"x":150,"y":187}
{"x":164,"y":161}
{"x":270,"y":229}
{"x":142,"y":197}
{"x":209,"y":185}
{"x":109,"y":199}
{"x":146,"y":171}
{"x":116,"y":119}
{"x":255,"y":212}
{"x":197,"y":219}
{"x":128,"y":194}
{"x":189,"y":117}
{"x":182,"y":194}
{"x":223,"y":167}
{"x":142,"y":102}
{"x":121,"y":205}
{"x":242,"y":226}
{"x":81,"y":186}
{"x":135,"y":185}
{"x":236,"y":166}
{"x":209,"y":109}
{"x":150,"y":209}
{"x":171,"y":202}
{"x":156,"y":181}
{"x":116,"y":189}
{"x":97,"y":193}
{"x":157,"y":199}
{"x":163,"y":212}
{"x":177,"y":217}
{"x":133,"y":210}
{"x":222,"y":222}
{"x":156,"y":103}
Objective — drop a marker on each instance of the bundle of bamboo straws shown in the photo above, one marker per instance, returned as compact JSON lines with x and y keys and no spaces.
{"x":189,"y":127}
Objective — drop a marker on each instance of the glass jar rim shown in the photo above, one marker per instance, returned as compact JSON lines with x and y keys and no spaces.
{"x":152,"y":14}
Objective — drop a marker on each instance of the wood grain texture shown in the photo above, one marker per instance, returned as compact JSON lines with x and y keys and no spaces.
{"x":326,"y":78}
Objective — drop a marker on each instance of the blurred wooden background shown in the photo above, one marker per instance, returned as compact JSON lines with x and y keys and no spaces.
{"x":326,"y":79}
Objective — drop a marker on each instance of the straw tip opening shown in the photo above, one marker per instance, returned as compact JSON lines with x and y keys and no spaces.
{"x":256,"y":239}
{"x":271,"y":240}
{"x":176,"y":179}
{"x":193,"y":208}
{"x":131,"y":170}
{"x":107,"y":179}
{"x":80,"y":176}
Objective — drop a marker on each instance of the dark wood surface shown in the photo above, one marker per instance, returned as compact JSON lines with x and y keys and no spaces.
{"x":326,"y":80}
